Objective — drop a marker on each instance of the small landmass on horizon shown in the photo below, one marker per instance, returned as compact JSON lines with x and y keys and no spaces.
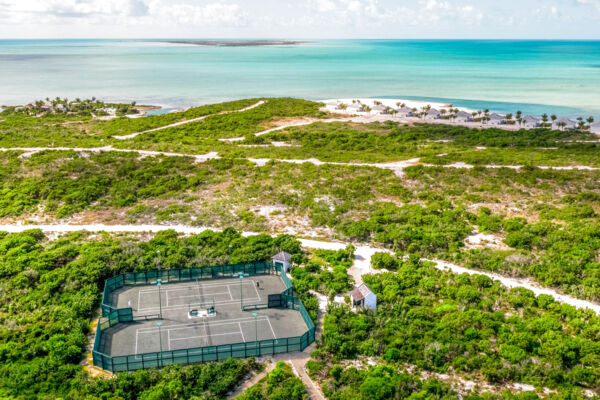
{"x":237,"y":43}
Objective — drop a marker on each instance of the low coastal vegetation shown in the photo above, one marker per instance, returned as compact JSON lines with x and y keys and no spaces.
{"x":79,"y":108}
{"x":430,"y":326}
{"x":469,"y":326}
{"x":279,"y":384}
{"x":51,"y":290}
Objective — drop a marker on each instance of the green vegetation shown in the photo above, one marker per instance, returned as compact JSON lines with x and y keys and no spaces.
{"x":468,"y":325}
{"x":203,"y":381}
{"x":279,"y":384}
{"x":67,"y":182}
{"x":325,"y":273}
{"x":123,"y":126}
{"x":49,"y":292}
{"x":381,"y":382}
{"x":234,"y":124}
{"x":545,"y":223}
{"x":78,"y":107}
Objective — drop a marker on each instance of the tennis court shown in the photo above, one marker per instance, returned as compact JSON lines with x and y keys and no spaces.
{"x":187,"y":321}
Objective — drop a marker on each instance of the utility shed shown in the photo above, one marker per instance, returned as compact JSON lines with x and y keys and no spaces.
{"x":362,"y":296}
{"x":283,"y":260}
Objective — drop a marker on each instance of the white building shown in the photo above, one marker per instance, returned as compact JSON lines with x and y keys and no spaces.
{"x":355,"y":107}
{"x":404,"y":112}
{"x":462,"y":117}
{"x":496,"y":119}
{"x":283,"y":260}
{"x":530,"y":121}
{"x":568,"y":124}
{"x":362,"y":296}
{"x":433,"y":114}
{"x":378,"y":109}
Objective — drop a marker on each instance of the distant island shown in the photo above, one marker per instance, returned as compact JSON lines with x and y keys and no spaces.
{"x":237,"y":43}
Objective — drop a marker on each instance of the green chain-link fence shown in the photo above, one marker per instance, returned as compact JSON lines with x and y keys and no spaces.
{"x":112,"y":316}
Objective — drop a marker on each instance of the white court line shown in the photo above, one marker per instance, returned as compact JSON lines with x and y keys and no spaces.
{"x":153,"y":289}
{"x":272,"y":331}
{"x":255,"y":289}
{"x":229,"y":290}
{"x":204,"y":295}
{"x":184,"y":306}
{"x":136,"y":341}
{"x":169,"y":339}
{"x":203,"y":336}
{"x":241,"y":331}
{"x":219,"y":323}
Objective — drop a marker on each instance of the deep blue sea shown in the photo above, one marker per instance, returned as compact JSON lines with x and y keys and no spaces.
{"x":533,"y":76}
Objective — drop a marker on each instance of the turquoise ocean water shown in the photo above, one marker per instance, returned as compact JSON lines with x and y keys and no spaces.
{"x":533,"y":76}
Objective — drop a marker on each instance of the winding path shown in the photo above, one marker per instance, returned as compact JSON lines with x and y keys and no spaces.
{"x":187,"y":121}
{"x":362,"y":255}
{"x":293,"y":124}
{"x":396,"y":166}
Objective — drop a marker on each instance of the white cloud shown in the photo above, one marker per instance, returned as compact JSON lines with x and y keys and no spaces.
{"x":299,"y":18}
{"x":127,"y":12}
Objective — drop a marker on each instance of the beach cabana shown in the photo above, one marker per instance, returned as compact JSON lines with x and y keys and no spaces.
{"x":496,"y":119}
{"x":378,"y":109}
{"x":433,"y":114}
{"x":354,"y":107}
{"x":462,"y":117}
{"x":530,"y":121}
{"x":568,"y":124}
{"x":404,"y":112}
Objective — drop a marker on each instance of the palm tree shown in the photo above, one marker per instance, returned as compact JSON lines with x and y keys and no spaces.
{"x":561,"y":124}
{"x":474,"y":114}
{"x":443,"y":112}
{"x":544,"y":118}
{"x":518,"y":114}
{"x":590,"y":120}
{"x":553,"y":117}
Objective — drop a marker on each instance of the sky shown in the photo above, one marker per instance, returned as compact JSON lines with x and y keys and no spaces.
{"x":335,"y":19}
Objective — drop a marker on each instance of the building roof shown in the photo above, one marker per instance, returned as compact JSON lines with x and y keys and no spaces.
{"x":379,"y":107}
{"x":404,"y":110}
{"x":433,"y":111}
{"x":464,"y":114}
{"x":354,"y":106}
{"x":496,"y":117}
{"x":531,"y":118}
{"x":283,"y":256}
{"x":565,"y":120}
{"x":360,"y":292}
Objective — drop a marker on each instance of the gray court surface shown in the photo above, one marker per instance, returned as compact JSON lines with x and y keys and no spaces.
{"x":179,"y":330}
